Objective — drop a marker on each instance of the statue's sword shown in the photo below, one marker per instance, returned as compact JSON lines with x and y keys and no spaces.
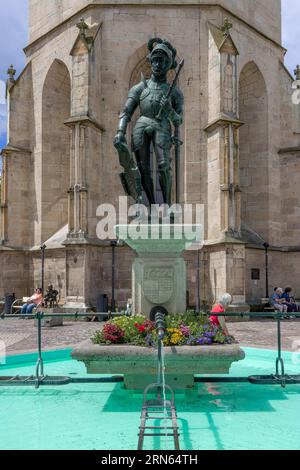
{"x":172,"y":86}
{"x":176,"y":139}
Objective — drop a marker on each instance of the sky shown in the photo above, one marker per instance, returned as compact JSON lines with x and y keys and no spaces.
{"x":14,"y":36}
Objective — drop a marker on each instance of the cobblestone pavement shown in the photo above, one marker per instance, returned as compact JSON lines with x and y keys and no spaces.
{"x":263,"y":333}
{"x":20,"y":336}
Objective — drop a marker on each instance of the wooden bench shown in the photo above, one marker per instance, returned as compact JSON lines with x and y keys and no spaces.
{"x":18,"y":304}
{"x":269,"y":309}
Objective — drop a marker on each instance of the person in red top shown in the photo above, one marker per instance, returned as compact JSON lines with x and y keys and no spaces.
{"x":220,"y":307}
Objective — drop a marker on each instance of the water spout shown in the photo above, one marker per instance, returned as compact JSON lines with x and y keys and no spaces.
{"x":160,"y":325}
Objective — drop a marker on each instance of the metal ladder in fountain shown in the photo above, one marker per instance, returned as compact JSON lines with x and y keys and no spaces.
{"x":159,"y":409}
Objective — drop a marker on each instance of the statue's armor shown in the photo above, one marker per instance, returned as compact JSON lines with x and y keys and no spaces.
{"x":147,"y":95}
{"x":150,"y":98}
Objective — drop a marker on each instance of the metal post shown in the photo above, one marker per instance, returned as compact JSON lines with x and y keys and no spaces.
{"x":177,"y":162}
{"x":43,"y":248}
{"x":113,"y":245}
{"x":198,"y":299}
{"x":159,"y":369}
{"x":266,"y":247}
{"x":160,"y":326}
{"x":279,"y":359}
{"x":39,"y":373}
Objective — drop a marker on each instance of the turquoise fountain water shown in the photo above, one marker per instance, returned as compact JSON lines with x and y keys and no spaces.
{"x":105,"y":416}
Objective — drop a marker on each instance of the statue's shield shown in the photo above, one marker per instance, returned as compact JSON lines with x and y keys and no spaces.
{"x":131,"y":177}
{"x":158,"y":284}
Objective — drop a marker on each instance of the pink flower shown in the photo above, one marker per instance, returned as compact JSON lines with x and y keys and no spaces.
{"x":149,"y":325}
{"x":185,"y":330}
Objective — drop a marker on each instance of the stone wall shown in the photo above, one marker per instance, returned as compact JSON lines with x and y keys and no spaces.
{"x":112,"y":68}
{"x":262,"y":14}
{"x":254,"y":145}
{"x":55,"y":150}
{"x":55,"y":270}
{"x":289,"y":162}
{"x":20,"y":194}
{"x":102,"y":84}
{"x":289,"y":112}
{"x":101,"y":264}
{"x":14,"y":273}
{"x":284,"y":271}
{"x":290,"y":203}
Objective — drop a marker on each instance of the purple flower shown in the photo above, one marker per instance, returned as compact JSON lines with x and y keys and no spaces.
{"x":208,"y":341}
{"x":210,"y":334}
{"x":200,"y":341}
{"x":191,"y":340}
{"x":149,"y":340}
{"x":204,"y":339}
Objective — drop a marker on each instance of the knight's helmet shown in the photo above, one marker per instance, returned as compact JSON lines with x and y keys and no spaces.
{"x":161,"y":46}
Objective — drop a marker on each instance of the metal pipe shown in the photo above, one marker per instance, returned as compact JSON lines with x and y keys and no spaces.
{"x":255,"y":314}
{"x":39,"y":372}
{"x":221,"y":380}
{"x":84,"y":315}
{"x":113,"y":276}
{"x":279,"y":360}
{"x":198,"y":300}
{"x":43,"y":248}
{"x":160,"y":326}
{"x":177,"y":162}
{"x":266,"y":246}
{"x":101,"y":380}
{"x":55,"y":381}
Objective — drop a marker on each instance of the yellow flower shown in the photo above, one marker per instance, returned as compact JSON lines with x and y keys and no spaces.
{"x":174,"y":337}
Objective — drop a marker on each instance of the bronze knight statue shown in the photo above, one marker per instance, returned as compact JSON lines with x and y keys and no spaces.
{"x":161,"y":108}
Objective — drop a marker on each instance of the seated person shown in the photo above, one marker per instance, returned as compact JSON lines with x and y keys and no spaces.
{"x":34,"y":301}
{"x":129,"y":308}
{"x":220,"y":307}
{"x":289,"y":300}
{"x":277,"y":302}
{"x":51,"y":297}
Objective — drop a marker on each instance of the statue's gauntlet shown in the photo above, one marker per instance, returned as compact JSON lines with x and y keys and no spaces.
{"x":126,"y":115}
{"x":175,"y":118}
{"x":123,"y":123}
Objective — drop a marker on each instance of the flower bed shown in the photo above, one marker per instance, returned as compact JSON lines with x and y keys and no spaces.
{"x":181,"y":330}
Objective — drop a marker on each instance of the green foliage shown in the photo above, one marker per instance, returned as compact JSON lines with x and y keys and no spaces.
{"x":132,"y":335}
{"x":187,"y":329}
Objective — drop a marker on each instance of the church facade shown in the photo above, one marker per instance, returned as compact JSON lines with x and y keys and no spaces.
{"x":240,"y":156}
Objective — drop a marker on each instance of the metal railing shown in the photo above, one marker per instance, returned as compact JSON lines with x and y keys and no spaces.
{"x":40,"y":379}
{"x":159,"y":409}
{"x":279,"y":377}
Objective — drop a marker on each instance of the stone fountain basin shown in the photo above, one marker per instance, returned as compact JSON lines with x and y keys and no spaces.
{"x":139,"y":364}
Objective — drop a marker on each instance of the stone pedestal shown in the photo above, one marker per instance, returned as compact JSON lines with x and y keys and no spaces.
{"x":159,"y":272}
{"x":74,"y":304}
{"x":238,"y":308}
{"x":52,"y":321}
